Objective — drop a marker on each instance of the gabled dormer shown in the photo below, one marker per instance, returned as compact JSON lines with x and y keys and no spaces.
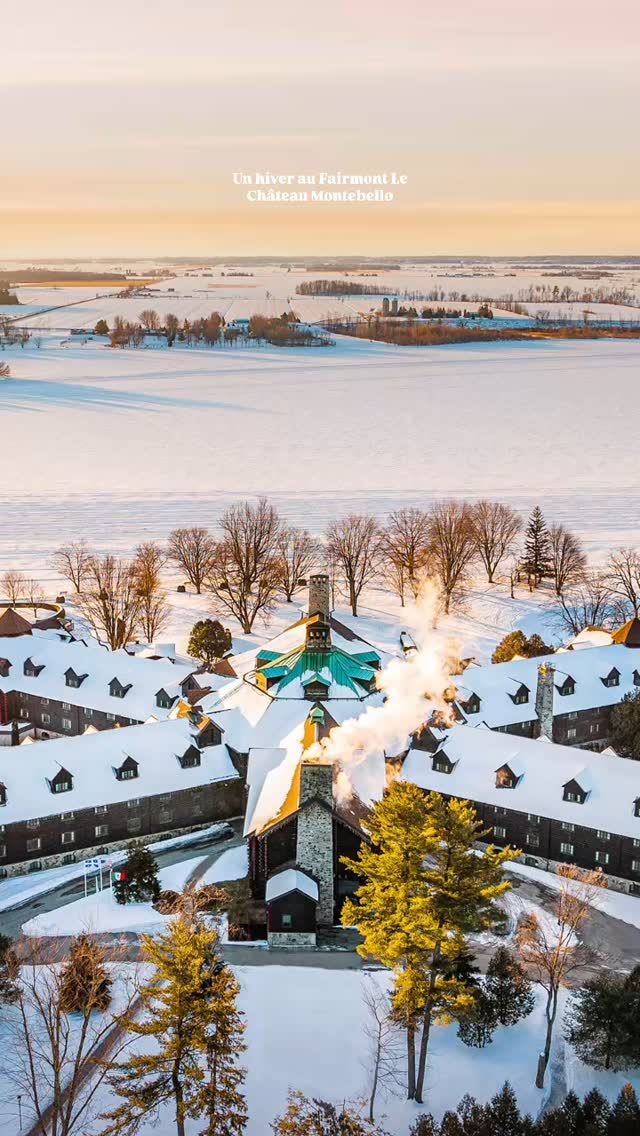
{"x":210,"y":734}
{"x":574,"y":792}
{"x":62,"y":782}
{"x":567,"y":686}
{"x":613,"y":678}
{"x":191,"y":757}
{"x":5,"y":667}
{"x":31,"y":669}
{"x":636,"y":807}
{"x":72,"y":679}
{"x":636,"y":678}
{"x":472,"y":704}
{"x":117,"y":690}
{"x":521,"y":696}
{"x":163,"y":700}
{"x":128,"y":770}
{"x":507,"y":777}
{"x":315,"y":687}
{"x":3,"y":793}
{"x":442,"y":763}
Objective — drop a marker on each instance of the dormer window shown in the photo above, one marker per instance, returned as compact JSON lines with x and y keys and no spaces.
{"x":572,"y":791}
{"x":72,"y":679}
{"x":472,"y":705}
{"x":190,"y":758}
{"x":566,"y":687}
{"x":3,"y":793}
{"x":31,"y":669}
{"x":210,"y":735}
{"x":636,"y":678}
{"x":613,"y":678}
{"x":506,"y":777}
{"x":62,"y":782}
{"x":521,"y":695}
{"x":117,"y":690}
{"x":128,"y":770}
{"x":315,"y":687}
{"x":163,"y":700}
{"x":442,"y":763}
{"x":5,"y":667}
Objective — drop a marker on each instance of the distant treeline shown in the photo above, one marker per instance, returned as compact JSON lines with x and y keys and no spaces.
{"x":281,"y":331}
{"x":407,"y":333}
{"x":42,"y":275}
{"x":339,"y":288}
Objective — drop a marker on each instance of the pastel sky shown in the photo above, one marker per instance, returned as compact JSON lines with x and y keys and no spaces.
{"x":517,"y":125}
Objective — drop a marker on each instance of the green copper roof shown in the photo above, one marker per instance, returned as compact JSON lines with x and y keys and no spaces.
{"x":333,"y":667}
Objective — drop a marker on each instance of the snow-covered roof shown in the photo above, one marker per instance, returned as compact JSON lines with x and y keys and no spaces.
{"x":92,"y":759}
{"x":144,"y":677}
{"x":292,"y":879}
{"x":612,"y":783}
{"x":496,"y":683}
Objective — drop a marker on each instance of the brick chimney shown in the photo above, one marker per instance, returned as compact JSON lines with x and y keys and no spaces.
{"x":544,"y":699}
{"x":320,"y":596}
{"x":314,"y":848}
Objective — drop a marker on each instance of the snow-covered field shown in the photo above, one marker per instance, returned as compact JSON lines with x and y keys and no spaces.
{"x":120,"y":446}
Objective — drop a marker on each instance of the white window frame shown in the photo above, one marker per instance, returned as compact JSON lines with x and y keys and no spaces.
{"x":566,"y":849}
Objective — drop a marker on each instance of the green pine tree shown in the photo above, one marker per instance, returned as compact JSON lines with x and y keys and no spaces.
{"x":478,"y":1023}
{"x":188,"y":1013}
{"x":9,"y":971}
{"x":625,"y":726}
{"x":508,"y":988}
{"x":423,"y":893}
{"x":595,"y":1112}
{"x":84,"y":982}
{"x":536,"y":561}
{"x":138,"y":882}
{"x":601,"y":1022}
{"x":505,"y":1113}
{"x":624,"y":1119}
{"x":209,"y":641}
{"x":222,"y":1098}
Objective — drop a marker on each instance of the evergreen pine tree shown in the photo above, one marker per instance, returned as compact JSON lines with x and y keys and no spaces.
{"x":508,"y":988}
{"x":571,"y":1115}
{"x":423,"y":893}
{"x":595,"y":1112}
{"x":189,"y":1013}
{"x":601,"y":1022}
{"x":505,"y":1113}
{"x":9,"y":971}
{"x":478,"y":1023}
{"x":84,"y":981}
{"x":536,"y":562}
{"x":138,"y":882}
{"x":222,"y":1099}
{"x":209,"y":641}
{"x":624,"y":1119}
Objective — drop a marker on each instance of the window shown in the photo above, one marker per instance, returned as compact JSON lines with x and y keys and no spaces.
{"x":44,"y":701}
{"x":89,"y":713}
{"x":67,"y":816}
{"x":134,"y":824}
{"x":602,"y":857}
{"x":602,"y":835}
{"x":3,"y":851}
{"x":100,"y":809}
{"x":594,"y":728}
{"x":635,"y":866}
{"x":499,"y":812}
{"x":34,"y":822}
{"x":111,"y":717}
{"x":61,"y":786}
{"x":567,"y":827}
{"x":572,"y":732}
{"x":34,"y":845}
{"x":571,"y":796}
{"x":573,"y":715}
{"x":165,"y":816}
{"x":101,"y":830}
{"x":636,"y":844}
{"x":286,"y":920}
{"x":133,"y":803}
{"x":566,"y":849}
{"x":440,"y":765}
{"x":45,"y":719}
{"x":67,"y":724}
{"x":533,"y":818}
{"x":164,"y":800}
{"x":68,"y":837}
{"x":533,"y":840}
{"x":128,"y":774}
{"x":499,"y":832}
{"x":66,"y":705}
{"x":23,"y":712}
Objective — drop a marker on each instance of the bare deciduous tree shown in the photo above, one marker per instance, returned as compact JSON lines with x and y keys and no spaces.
{"x":5,"y":370}
{"x":624,"y":576}
{"x":34,"y":594}
{"x":247,"y":572}
{"x":298,"y":556}
{"x":589,"y":603}
{"x":551,"y":951}
{"x":405,"y":548}
{"x":194,"y":550}
{"x":71,"y":561}
{"x":452,"y":545}
{"x":385,"y":1045}
{"x":13,"y":585}
{"x":54,"y":1050}
{"x":354,"y":547}
{"x":111,"y":600}
{"x":150,"y":319}
{"x":495,"y":528}
{"x":568,"y":561}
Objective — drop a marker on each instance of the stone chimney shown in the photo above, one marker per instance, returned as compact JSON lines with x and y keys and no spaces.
{"x":314,"y":848}
{"x":320,"y":596}
{"x":544,"y":699}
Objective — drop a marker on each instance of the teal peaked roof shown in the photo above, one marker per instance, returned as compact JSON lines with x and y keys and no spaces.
{"x":339,"y":671}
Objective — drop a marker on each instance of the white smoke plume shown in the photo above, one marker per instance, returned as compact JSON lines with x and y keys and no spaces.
{"x":415,"y":686}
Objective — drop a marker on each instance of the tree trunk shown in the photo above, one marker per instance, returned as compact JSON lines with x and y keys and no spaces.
{"x":179,"y":1098}
{"x":550,"y":1012}
{"x":411,"y":1061}
{"x":353,"y":599}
